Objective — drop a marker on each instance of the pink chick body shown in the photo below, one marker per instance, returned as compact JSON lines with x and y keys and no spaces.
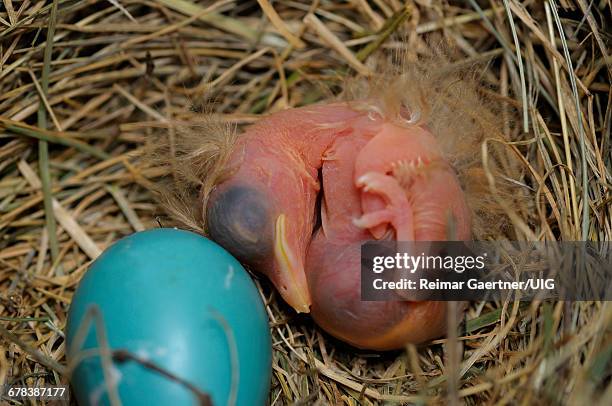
{"x":415,"y":206}
{"x":379,"y":180}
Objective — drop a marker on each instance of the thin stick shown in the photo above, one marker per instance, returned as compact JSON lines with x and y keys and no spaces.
{"x":573,"y":203}
{"x":44,"y":100}
{"x":43,"y":147}
{"x":66,"y":220}
{"x":50,"y":136}
{"x":452,"y":353}
{"x":122,"y":356}
{"x":217,"y":20}
{"x":33,"y":352}
{"x":278,"y":23}
{"x":125,"y":207}
{"x":581,"y":134}
{"x":387,"y":29}
{"x":335,"y":43}
{"x":519,"y":57}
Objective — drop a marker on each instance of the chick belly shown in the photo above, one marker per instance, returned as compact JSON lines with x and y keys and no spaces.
{"x":440,"y":210}
{"x":333,"y":269}
{"x":333,"y":273}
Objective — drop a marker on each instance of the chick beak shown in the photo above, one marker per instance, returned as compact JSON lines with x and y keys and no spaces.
{"x":290,"y":275}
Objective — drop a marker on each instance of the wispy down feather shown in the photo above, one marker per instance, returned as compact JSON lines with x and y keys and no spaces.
{"x":446,"y":97}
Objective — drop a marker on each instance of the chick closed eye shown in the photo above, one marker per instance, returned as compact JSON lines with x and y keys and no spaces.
{"x":239,"y":219}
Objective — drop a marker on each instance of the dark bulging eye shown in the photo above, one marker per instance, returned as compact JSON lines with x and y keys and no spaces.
{"x":238,"y":218}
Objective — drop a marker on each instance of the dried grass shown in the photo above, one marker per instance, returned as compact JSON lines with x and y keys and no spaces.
{"x":120,"y":72}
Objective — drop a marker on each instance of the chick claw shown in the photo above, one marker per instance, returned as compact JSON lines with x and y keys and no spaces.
{"x":398,"y":212}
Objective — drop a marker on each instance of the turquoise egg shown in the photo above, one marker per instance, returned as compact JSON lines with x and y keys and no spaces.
{"x":173,"y":300}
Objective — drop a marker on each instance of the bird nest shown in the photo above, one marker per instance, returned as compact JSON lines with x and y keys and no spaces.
{"x":85,"y":85}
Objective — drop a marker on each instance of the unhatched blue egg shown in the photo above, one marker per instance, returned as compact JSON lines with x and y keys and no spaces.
{"x":175,"y":300}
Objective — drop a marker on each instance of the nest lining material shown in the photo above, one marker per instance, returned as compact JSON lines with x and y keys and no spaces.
{"x":75,"y":126}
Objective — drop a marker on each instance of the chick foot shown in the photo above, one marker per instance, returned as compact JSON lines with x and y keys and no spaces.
{"x":397,"y":213}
